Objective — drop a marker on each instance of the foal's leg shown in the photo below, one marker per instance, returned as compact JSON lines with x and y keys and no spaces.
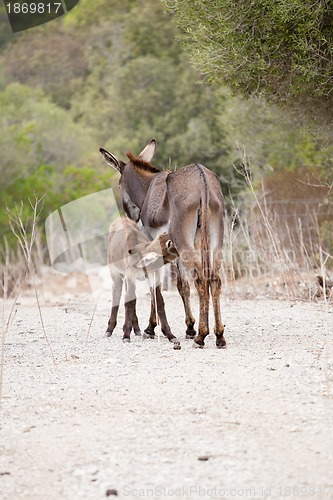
{"x":130,"y":301}
{"x":117,"y":285}
{"x":150,"y":330}
{"x":135,"y":322}
{"x":161,"y":313}
{"x":166,"y":272}
{"x":184,"y":290}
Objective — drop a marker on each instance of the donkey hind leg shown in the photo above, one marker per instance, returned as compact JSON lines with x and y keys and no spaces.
{"x":184,"y":290}
{"x":130,"y":303}
{"x":165,"y":327}
{"x":117,"y":286}
{"x":149,"y":332}
{"x":192,"y":264}
{"x":202,"y":286}
{"x":215,"y":286}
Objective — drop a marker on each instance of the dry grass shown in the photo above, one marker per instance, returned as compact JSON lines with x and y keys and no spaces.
{"x":17,"y":268}
{"x":267,"y":253}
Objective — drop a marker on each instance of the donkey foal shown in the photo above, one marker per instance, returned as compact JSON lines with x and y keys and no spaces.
{"x":132,"y":256}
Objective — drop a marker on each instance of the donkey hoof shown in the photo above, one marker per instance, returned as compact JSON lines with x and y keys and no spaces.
{"x":190,"y":336}
{"x":177,"y":346}
{"x":198,"y":346}
{"x":138,"y":333}
{"x":221,"y":343}
{"x":126,"y":340}
{"x":148,"y":335}
{"x":198,"y":342}
{"x":108,"y":334}
{"x":223,"y":346}
{"x":190,"y":333}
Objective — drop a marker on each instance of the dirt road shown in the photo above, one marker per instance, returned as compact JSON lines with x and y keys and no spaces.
{"x":252,"y":421}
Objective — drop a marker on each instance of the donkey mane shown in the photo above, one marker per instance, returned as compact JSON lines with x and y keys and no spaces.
{"x":141,"y":164}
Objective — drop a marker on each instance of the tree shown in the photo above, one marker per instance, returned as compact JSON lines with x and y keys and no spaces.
{"x":5,"y":30}
{"x":33,"y":131}
{"x":57,"y":189}
{"x":281,"y":50}
{"x":140,"y":85}
{"x":48,"y":58}
{"x":273,"y":139}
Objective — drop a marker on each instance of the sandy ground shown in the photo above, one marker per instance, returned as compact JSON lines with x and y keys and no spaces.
{"x":252,"y":421}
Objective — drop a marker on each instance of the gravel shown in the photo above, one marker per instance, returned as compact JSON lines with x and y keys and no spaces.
{"x":145,"y":420}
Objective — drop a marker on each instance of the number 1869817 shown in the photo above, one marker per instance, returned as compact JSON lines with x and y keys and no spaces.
{"x":33,"y":8}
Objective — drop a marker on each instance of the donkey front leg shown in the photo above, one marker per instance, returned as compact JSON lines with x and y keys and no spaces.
{"x":117,"y":285}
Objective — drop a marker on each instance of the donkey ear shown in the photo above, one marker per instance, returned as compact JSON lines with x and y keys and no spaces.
{"x":148,"y":152}
{"x":112,"y":160}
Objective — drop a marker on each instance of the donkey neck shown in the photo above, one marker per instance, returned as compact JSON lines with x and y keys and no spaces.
{"x":137,"y":184}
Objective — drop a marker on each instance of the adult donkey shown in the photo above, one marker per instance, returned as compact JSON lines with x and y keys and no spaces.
{"x":188,"y":204}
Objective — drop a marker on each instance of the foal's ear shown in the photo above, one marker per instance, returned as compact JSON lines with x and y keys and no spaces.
{"x":112,"y":160}
{"x":148,"y":152}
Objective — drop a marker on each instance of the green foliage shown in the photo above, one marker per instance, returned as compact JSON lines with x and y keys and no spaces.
{"x":278,"y":49}
{"x":5,"y":30}
{"x":164,"y":102}
{"x":89,"y":13}
{"x":150,"y":32}
{"x":33,"y":130}
{"x":57,"y":190}
{"x":111,"y":73}
{"x":49,"y":59}
{"x":140,"y":86}
{"x":272,"y":139}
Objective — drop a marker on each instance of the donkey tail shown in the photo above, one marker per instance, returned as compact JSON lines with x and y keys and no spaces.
{"x":204,"y":231}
